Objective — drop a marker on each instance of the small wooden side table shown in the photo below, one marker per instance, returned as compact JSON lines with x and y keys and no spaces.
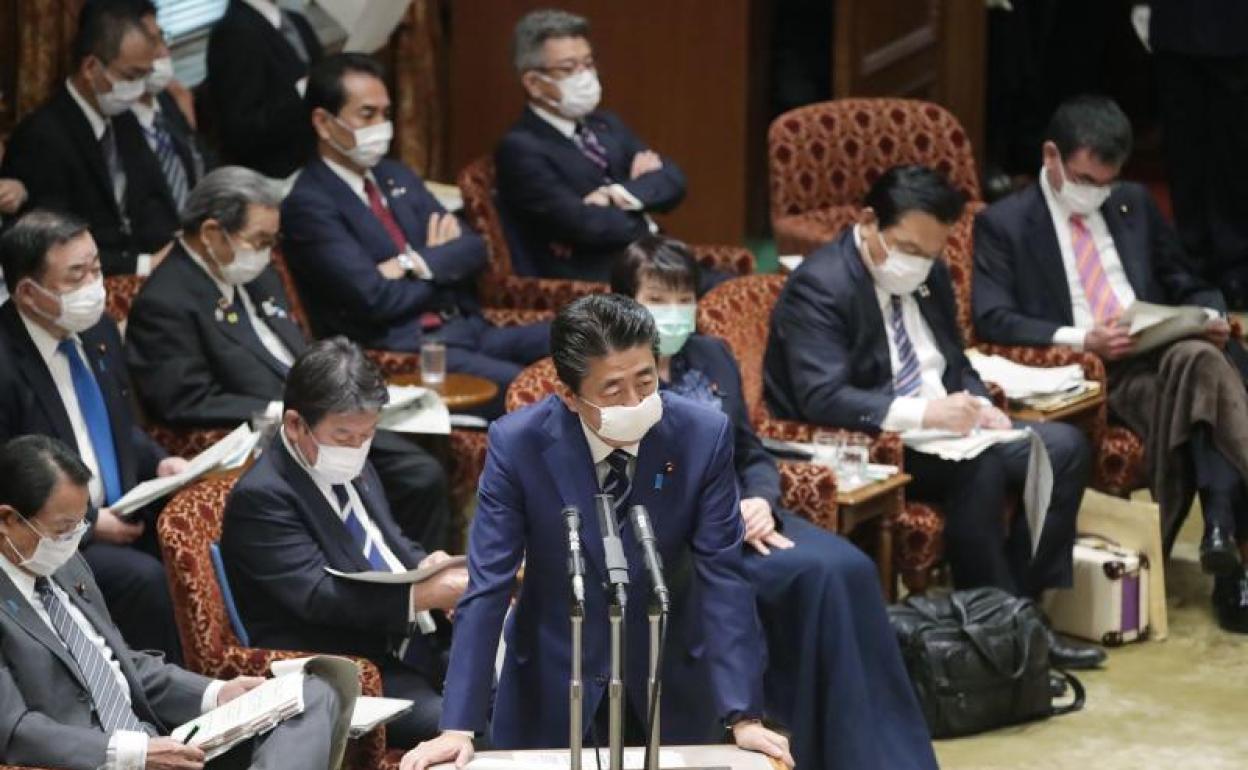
{"x":460,"y":392}
{"x":879,"y":504}
{"x":1074,"y":412}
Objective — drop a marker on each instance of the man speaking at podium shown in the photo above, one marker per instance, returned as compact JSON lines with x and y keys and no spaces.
{"x":608,"y":430}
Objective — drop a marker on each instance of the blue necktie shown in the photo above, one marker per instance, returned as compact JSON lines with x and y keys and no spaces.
{"x":95,"y":414}
{"x":616,"y":482}
{"x":907,"y":380}
{"x":355,"y":525}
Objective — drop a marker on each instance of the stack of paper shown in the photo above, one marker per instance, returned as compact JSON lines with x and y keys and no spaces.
{"x":229,"y":452}
{"x":251,"y":713}
{"x":413,"y":409}
{"x":1023,"y":382}
{"x":948,"y":445}
{"x":1152,"y":326}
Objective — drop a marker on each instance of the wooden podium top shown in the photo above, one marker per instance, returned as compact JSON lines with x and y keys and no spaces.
{"x":719,"y":757}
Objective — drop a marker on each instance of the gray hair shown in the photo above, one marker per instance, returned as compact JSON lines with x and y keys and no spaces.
{"x":536,"y":28}
{"x":333,"y":376}
{"x":224,"y":195}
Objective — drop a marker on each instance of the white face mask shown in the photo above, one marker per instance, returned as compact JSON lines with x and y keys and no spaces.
{"x":248,"y":263}
{"x":578,"y":94}
{"x":161,"y":75}
{"x":340,"y":464}
{"x":371,"y":143}
{"x":80,"y":309}
{"x":675,"y":324}
{"x":1081,"y":199}
{"x":901,"y":273}
{"x":629,"y":424}
{"x":52,"y":552}
{"x":123,"y":96}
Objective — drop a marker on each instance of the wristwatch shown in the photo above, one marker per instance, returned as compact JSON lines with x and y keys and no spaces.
{"x":408,"y":264}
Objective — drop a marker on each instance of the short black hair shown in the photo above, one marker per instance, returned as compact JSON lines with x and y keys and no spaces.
{"x":666,"y":260}
{"x":24,"y":247}
{"x":103,"y":24}
{"x":30,"y":468}
{"x":333,"y":376}
{"x":325,"y":79}
{"x":903,"y":189}
{"x":592,"y":327}
{"x":1091,"y":122}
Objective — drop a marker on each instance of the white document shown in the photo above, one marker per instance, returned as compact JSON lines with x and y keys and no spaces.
{"x":1019,"y":381}
{"x":372,"y":711}
{"x":255,"y":711}
{"x":1152,"y":326}
{"x":369,"y":23}
{"x":634,"y":759}
{"x":413,"y":409}
{"x":228,"y":452}
{"x":418,"y":575}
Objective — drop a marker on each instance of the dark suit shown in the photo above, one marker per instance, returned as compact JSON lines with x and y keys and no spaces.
{"x":54,"y":152}
{"x":543,"y":177}
{"x":334,"y":243}
{"x":252,"y":72}
{"x":46,"y":715}
{"x":278,"y":536}
{"x":828,"y":638}
{"x":194,"y":369}
{"x":133,"y":580}
{"x":538,"y":462}
{"x":828,"y":363}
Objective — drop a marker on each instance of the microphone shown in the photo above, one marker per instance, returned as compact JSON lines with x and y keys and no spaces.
{"x":650,"y":552}
{"x":576,"y":560}
{"x":613,"y":548}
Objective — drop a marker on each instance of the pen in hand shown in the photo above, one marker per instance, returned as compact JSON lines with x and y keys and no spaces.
{"x":187,"y":740}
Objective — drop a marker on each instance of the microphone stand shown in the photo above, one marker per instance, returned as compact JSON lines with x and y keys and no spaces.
{"x":576,"y":695}
{"x":617,"y":577}
{"x":657,"y":619}
{"x":660,"y":606}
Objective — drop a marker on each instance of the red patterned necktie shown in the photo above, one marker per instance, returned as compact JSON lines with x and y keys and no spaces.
{"x":428,"y":320}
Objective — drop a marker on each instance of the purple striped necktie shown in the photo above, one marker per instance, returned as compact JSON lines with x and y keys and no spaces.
{"x":587,"y":141}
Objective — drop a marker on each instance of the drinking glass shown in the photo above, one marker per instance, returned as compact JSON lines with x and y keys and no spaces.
{"x":433,"y":364}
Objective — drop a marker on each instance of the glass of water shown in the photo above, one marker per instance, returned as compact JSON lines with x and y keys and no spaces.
{"x":855,"y":454}
{"x":433,"y":364}
{"x":828,"y":445}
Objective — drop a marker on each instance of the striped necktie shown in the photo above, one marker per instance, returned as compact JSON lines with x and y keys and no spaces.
{"x":616,"y":483}
{"x":907,"y":380}
{"x":110,"y":701}
{"x":291,"y":33}
{"x":116,"y":172}
{"x":587,"y":141}
{"x":1101,"y":298}
{"x":355,"y":525}
{"x":159,"y":138}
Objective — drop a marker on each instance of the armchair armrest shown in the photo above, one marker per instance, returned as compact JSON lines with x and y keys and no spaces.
{"x":392,"y":362}
{"x":809,"y":490}
{"x":499,"y":316}
{"x":734,"y":260}
{"x":1051,"y":355}
{"x":514,"y":292}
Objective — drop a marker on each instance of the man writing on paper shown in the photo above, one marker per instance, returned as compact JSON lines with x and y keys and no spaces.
{"x":73,"y":693}
{"x":62,"y":374}
{"x":1059,"y":262}
{"x":608,"y":431}
{"x":864,"y":337}
{"x":311,"y":502}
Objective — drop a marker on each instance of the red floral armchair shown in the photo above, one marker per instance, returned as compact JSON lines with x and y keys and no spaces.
{"x":824,"y":157}
{"x":807,"y":489}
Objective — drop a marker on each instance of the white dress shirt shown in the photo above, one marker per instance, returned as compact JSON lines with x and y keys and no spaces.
{"x":127,"y":749}
{"x":146,"y":115}
{"x":599,"y":450}
{"x":1110,"y":262}
{"x":99,"y":123}
{"x":58,"y":367}
{"x":268,"y":9}
{"x":568,"y":129}
{"x":356,"y":183}
{"x":268,"y":338}
{"x":906,"y":412}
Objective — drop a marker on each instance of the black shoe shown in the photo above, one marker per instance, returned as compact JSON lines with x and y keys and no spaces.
{"x":1219,"y":553}
{"x":1230,"y":602}
{"x":1067,"y":654}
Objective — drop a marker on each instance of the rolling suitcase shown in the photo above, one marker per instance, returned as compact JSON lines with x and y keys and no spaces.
{"x":1108,"y":603}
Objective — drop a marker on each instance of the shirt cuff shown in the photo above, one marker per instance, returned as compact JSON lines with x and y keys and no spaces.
{"x":465,"y":733}
{"x":212,"y":693}
{"x":631,"y":200}
{"x":422,"y":267}
{"x":274,"y":410}
{"x":143,"y":265}
{"x":1214,"y":314}
{"x":127,"y":750}
{"x":1070,"y":336}
{"x":421,"y":618}
{"x":905,"y":413}
{"x":301,"y":86}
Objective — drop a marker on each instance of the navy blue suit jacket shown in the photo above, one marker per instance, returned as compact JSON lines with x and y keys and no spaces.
{"x":756,"y":468}
{"x":542,"y":179}
{"x":538,"y":462}
{"x":1021,"y":295}
{"x":278,"y":536}
{"x":334,"y":242}
{"x":827,"y":359}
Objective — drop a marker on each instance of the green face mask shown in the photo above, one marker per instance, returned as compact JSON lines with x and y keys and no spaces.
{"x":675,"y":323}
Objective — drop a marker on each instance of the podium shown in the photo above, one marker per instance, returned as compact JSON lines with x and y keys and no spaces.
{"x":719,"y":757}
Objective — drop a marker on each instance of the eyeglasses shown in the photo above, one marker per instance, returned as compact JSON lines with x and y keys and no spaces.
{"x":62,"y":538}
{"x":567,"y":69}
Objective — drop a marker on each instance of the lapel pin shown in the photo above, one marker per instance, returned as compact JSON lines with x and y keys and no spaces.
{"x":231,"y":317}
{"x":80,"y":588}
{"x":1124,"y":209}
{"x":924,"y":292}
{"x":219,"y":315}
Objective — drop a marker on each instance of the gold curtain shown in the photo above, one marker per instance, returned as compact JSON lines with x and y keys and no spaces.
{"x":46,"y":34}
{"x":415,"y":61}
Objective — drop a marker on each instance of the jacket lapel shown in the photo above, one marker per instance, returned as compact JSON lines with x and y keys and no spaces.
{"x":80,"y":132}
{"x":321,"y":515}
{"x":871,"y":319}
{"x":360,"y":218}
{"x":568,"y":460}
{"x":25,"y":616}
{"x":36,"y":375}
{"x":569,"y":156}
{"x":397,"y":197}
{"x":1134,"y":260}
{"x":1045,"y":252}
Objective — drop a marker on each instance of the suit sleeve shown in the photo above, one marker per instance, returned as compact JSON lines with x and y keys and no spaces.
{"x":495,"y":552}
{"x":454,"y":261}
{"x":323,"y":251}
{"x":994,"y":304}
{"x":660,"y":190}
{"x":817,"y":356}
{"x":268,"y":542}
{"x":33,"y":738}
{"x":532,"y":188}
{"x":1173,"y":267}
{"x":177,"y":385}
{"x":756,"y":469}
{"x":734,"y":639}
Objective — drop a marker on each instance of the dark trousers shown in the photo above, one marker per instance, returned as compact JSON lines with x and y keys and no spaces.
{"x":973,"y":495}
{"x":497,"y":353}
{"x":1204,"y":108}
{"x":419,"y":724}
{"x":416,"y":488}
{"x":137,"y":593}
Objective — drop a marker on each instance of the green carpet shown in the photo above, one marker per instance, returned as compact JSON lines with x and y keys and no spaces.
{"x":1169,"y":705}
